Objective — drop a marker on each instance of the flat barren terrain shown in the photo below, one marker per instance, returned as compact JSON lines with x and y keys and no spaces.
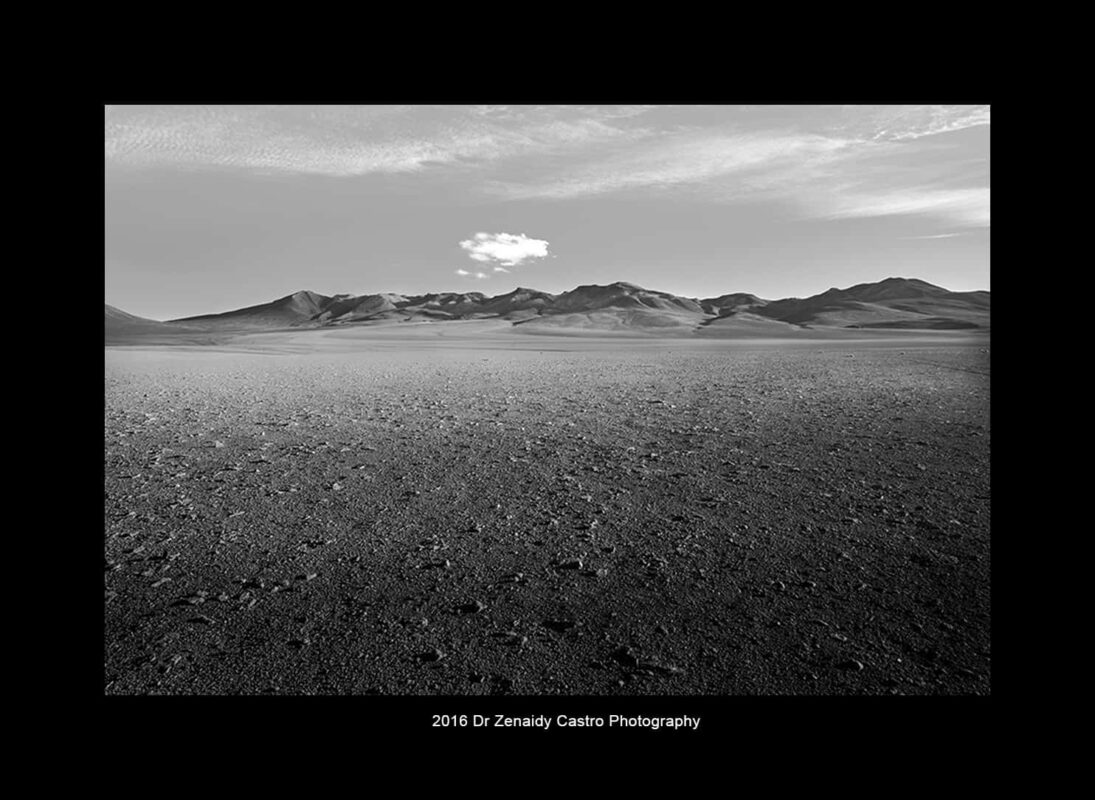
{"x":363,"y":511}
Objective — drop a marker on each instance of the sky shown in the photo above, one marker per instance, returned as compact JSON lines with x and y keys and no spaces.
{"x":211,"y":208}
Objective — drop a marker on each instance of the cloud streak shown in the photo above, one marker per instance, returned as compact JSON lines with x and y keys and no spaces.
{"x":932,"y":236}
{"x":964,"y":206}
{"x":680,"y":161}
{"x":916,"y":122}
{"x":824,"y":162}
{"x":824,"y":176}
{"x":342,"y":141}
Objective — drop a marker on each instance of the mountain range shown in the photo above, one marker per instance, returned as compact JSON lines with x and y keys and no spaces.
{"x":895,"y":303}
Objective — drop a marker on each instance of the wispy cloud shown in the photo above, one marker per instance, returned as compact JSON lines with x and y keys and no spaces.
{"x":824,"y":162}
{"x":346,"y":141}
{"x":838,"y":173}
{"x":463,"y":273}
{"x":676,"y":160}
{"x":964,"y":206}
{"x":932,"y":236}
{"x":915,"y":122}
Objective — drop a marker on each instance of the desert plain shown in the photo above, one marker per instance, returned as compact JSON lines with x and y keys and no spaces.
{"x":466,"y":510}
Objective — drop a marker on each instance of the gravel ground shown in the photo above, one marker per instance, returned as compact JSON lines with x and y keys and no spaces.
{"x":540,"y":518}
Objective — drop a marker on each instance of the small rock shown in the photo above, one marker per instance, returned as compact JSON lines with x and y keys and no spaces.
{"x":192,"y":600}
{"x":510,"y":637}
{"x":624,"y":657}
{"x":473,"y":607}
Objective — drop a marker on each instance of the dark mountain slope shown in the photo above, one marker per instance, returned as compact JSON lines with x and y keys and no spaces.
{"x":899,"y":303}
{"x":292,"y":310}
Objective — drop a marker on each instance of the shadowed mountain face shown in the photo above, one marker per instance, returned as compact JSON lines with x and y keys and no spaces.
{"x":895,"y":303}
{"x":121,"y":328}
{"x":731,"y":303}
{"x":621,"y":295}
{"x":900,"y":303}
{"x":290,"y":311}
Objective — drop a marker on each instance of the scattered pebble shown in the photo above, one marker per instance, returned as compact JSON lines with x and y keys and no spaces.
{"x":473,"y":607}
{"x":192,"y":600}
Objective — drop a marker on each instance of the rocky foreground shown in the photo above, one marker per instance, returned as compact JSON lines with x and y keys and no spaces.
{"x":608,"y":520}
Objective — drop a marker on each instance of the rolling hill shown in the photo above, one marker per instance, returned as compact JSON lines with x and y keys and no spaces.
{"x":121,"y":327}
{"x":893,"y":303}
{"x":901,"y":303}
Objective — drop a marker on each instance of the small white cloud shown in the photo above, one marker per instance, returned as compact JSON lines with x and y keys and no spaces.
{"x":505,"y":249}
{"x":500,"y":269}
{"x":463,"y":273}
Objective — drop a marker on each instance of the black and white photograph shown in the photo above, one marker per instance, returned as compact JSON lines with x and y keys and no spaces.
{"x":547,"y":401}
